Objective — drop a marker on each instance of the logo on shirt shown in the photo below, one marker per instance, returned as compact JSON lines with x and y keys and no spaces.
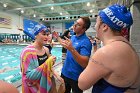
{"x":43,"y":58}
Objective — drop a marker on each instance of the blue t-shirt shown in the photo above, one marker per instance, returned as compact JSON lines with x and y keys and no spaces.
{"x":83,"y":46}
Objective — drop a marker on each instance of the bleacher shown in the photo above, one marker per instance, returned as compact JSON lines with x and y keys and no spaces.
{"x":14,"y":38}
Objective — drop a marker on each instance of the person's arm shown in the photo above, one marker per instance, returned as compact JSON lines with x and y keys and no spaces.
{"x":57,"y":76}
{"x":55,"y":35}
{"x":30,"y":68}
{"x":47,"y":51}
{"x":82,"y":60}
{"x":59,"y":40}
{"x":95,"y":70}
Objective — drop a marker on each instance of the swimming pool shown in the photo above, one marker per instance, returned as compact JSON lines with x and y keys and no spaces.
{"x":10,"y":61}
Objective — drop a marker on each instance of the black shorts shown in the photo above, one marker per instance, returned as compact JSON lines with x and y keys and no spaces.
{"x":71,"y":84}
{"x":64,"y":50}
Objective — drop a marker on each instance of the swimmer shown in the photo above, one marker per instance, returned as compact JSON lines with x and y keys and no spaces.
{"x":115,"y":67}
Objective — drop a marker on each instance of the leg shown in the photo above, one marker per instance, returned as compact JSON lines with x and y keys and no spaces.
{"x":63,"y":57}
{"x":67,"y":84}
{"x":53,"y":88}
{"x":75,"y":88}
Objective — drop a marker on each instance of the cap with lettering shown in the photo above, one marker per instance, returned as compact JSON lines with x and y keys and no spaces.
{"x":39,"y":28}
{"x":33,"y":32}
{"x":116,"y":17}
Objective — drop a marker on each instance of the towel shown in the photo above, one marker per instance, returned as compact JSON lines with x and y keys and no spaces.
{"x":35,"y":78}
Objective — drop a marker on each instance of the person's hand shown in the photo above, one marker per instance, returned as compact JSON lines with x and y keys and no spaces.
{"x":50,"y":38}
{"x":67,"y":44}
{"x":61,"y":88}
{"x":53,"y":59}
{"x":55,"y":35}
{"x":60,"y":79}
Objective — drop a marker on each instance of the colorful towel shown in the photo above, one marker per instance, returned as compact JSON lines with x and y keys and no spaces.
{"x":35,"y":78}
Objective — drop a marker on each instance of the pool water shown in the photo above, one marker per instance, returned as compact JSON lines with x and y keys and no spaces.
{"x":10,"y":61}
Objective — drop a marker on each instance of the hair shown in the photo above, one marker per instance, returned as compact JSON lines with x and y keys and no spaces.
{"x":113,"y":29}
{"x":87,"y":22}
{"x":66,"y":32}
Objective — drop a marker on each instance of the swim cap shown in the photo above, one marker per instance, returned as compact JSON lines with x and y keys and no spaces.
{"x":33,"y":32}
{"x":116,"y":16}
{"x":39,"y":28}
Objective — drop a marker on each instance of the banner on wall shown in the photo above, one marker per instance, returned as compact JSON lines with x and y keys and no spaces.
{"x":5,"y":21}
{"x":57,"y":27}
{"x":68,"y":25}
{"x":29,"y":26}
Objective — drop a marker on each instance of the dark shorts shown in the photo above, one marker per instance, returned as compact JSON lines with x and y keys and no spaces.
{"x":64,"y":50}
{"x":71,"y":84}
{"x":94,"y":44}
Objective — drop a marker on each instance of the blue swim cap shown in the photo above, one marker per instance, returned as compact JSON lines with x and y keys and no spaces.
{"x":116,"y":16}
{"x":39,"y":28}
{"x":33,"y":32}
